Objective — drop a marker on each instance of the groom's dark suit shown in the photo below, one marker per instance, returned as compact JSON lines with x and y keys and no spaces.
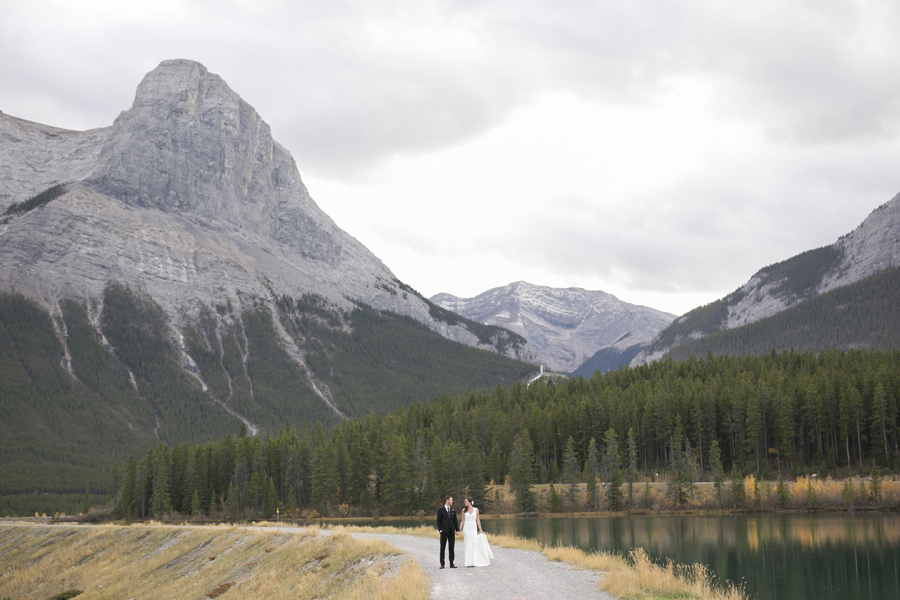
{"x":449,"y":527}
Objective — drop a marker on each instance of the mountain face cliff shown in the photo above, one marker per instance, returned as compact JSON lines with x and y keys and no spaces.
{"x":872,"y":248}
{"x":188,"y":198}
{"x":567,"y":327}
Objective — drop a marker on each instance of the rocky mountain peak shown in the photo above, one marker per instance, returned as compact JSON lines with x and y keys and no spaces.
{"x":180,"y":81}
{"x":191,"y":145}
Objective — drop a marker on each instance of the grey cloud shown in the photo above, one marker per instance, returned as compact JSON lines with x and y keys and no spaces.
{"x":349,"y":84}
{"x":708,"y":234}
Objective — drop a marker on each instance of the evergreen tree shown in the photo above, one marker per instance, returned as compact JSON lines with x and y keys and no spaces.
{"x":255,"y":492}
{"x":883,"y":425}
{"x":320,"y":492}
{"x":631,"y":469}
{"x":592,"y":473}
{"x":233,"y":504}
{"x":552,"y":474}
{"x":614,"y":488}
{"x":522,"y":473}
{"x":477,"y":489}
{"x":715,"y":468}
{"x":494,"y":467}
{"x":435,"y":488}
{"x":571,"y":473}
{"x":125,"y":509}
{"x":875,"y":484}
{"x":213,"y":508}
{"x":811,"y":502}
{"x":847,"y":494}
{"x":689,"y":468}
{"x":271,"y":499}
{"x":782,"y":499}
{"x":395,"y":484}
{"x":160,"y":501}
{"x":676,"y":483}
{"x":189,"y":486}
{"x":554,"y":502}
{"x":360,"y":466}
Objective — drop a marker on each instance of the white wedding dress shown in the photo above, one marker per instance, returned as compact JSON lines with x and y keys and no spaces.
{"x":476,"y":548}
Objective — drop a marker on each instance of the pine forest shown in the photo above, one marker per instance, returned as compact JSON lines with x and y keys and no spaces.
{"x":780,"y":415}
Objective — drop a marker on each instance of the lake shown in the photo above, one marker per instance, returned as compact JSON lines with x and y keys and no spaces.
{"x":778,"y":557}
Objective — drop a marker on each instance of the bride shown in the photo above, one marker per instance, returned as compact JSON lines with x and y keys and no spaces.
{"x":477,"y":550}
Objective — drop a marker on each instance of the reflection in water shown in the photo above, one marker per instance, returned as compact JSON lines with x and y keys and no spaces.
{"x":778,"y":557}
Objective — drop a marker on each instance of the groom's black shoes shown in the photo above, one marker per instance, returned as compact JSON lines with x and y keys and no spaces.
{"x":452,"y":566}
{"x":442,"y":566}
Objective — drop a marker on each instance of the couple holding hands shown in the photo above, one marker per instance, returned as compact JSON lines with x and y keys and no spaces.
{"x":477,"y":551}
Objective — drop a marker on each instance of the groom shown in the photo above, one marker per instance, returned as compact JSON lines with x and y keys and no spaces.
{"x":449,"y":527}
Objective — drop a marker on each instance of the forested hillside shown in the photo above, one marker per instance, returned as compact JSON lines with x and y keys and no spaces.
{"x":119,"y":384}
{"x":865,"y":314}
{"x":375,"y":361}
{"x":787,"y":414}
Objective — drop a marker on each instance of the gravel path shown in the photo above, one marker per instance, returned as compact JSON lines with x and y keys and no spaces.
{"x":513,"y":574}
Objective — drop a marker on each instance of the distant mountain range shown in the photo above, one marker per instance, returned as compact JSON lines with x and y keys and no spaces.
{"x":839,"y":296}
{"x":573,"y":330}
{"x":846,"y":295}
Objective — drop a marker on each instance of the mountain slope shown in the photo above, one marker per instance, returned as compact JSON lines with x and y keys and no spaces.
{"x":565,"y":326}
{"x":871,"y":248}
{"x":865,"y":314}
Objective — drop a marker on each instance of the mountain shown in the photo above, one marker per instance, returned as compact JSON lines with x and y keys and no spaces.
{"x":567,"y":327}
{"x":856,"y":258}
{"x":169,"y":278}
{"x":188,"y":198}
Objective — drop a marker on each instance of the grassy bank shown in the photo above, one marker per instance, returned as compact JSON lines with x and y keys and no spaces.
{"x":154,"y":561}
{"x":804,"y":493}
{"x":633,"y":578}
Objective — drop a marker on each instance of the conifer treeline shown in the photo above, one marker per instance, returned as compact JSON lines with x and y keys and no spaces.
{"x":775,"y":415}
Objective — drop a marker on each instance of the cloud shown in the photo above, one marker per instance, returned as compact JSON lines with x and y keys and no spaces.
{"x":651,"y":147}
{"x":351,"y":84}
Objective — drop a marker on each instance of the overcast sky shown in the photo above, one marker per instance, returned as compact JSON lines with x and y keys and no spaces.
{"x":660,"y":151}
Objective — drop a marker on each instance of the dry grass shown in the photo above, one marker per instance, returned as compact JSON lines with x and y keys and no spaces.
{"x":645,"y":580}
{"x":40,"y":561}
{"x":828,"y":496}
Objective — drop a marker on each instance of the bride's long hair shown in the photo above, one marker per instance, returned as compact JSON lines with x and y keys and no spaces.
{"x":471,"y":504}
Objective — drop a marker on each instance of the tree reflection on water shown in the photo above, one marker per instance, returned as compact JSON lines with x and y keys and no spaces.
{"x":795,"y":556}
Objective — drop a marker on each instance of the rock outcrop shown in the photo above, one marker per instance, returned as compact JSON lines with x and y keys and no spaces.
{"x":565,"y":326}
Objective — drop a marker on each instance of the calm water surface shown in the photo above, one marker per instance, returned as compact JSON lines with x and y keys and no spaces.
{"x":777,"y":557}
